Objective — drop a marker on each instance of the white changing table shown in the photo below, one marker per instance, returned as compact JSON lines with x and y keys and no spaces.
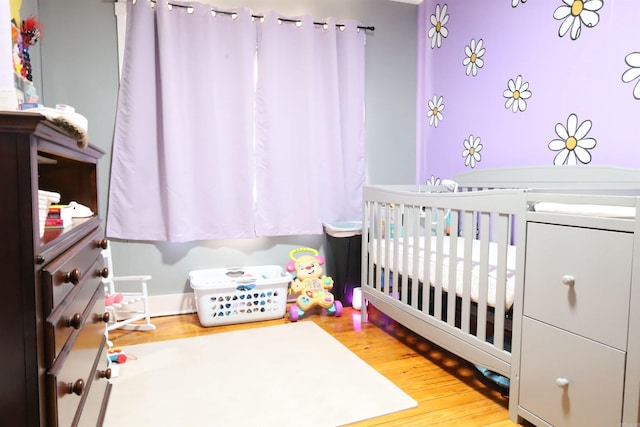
{"x":578,"y":361}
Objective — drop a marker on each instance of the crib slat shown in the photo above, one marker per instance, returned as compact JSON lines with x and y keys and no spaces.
{"x":403,"y":284}
{"x":439,"y":255}
{"x":468,"y":231}
{"x":415,"y":236}
{"x":453,"y":267}
{"x":502,"y":228}
{"x":483,"y":285}
{"x":426,"y":254}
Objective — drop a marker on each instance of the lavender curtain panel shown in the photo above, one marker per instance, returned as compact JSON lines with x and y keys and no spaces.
{"x":200,"y":152}
{"x":309,"y":125}
{"x":182,"y":166}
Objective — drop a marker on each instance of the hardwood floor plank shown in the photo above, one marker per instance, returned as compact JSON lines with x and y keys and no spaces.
{"x":448,"y":389}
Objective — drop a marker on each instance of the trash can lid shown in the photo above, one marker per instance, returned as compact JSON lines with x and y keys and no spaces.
{"x":343,"y":228}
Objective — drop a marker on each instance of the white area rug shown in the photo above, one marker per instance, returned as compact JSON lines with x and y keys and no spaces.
{"x":294,"y":374}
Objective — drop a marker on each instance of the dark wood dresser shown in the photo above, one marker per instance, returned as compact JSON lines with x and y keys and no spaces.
{"x":54,"y":368}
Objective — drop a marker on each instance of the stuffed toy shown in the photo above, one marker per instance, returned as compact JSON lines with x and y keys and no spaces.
{"x":31,"y":31}
{"x":312,"y":285}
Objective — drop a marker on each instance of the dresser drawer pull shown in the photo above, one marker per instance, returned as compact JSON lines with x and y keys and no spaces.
{"x":75,"y":321}
{"x":105,"y":317}
{"x":104,"y":273}
{"x":76,"y":388}
{"x":568,"y":280}
{"x":73,"y":276}
{"x":562,"y":382}
{"x":105,"y":374}
{"x":103,"y":244}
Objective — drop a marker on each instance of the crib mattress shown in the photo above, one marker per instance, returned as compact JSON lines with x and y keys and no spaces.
{"x":492,"y":279}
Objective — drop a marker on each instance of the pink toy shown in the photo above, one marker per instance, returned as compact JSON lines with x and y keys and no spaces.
{"x":311,"y":283}
{"x":110,"y":300}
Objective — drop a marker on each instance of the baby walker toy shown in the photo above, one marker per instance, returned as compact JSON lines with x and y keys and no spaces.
{"x":312,"y":285}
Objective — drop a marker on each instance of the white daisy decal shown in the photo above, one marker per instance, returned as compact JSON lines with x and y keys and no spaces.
{"x":471,"y":152}
{"x":633,"y":61}
{"x":438,"y":31}
{"x":473,"y":59}
{"x":517,"y":93}
{"x":514,"y":3}
{"x":575,"y":13}
{"x":435,"y":110}
{"x":433,"y":180}
{"x":572,"y":145}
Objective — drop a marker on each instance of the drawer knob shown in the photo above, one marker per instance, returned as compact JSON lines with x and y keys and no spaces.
{"x":73,"y":276}
{"x":105,"y":317}
{"x":568,"y":280}
{"x":102,"y":244}
{"x":105,"y":374}
{"x":75,"y":321}
{"x":104,"y":273}
{"x":562,"y":382}
{"x":76,"y":388}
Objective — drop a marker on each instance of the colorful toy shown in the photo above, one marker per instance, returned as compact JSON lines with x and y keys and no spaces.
{"x":116,"y":355}
{"x":312,"y":285}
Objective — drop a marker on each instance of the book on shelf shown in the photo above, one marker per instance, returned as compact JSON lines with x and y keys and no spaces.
{"x":59,"y":216}
{"x":57,"y":222}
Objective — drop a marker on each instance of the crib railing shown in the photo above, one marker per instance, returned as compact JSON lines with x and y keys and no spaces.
{"x":446,"y":265}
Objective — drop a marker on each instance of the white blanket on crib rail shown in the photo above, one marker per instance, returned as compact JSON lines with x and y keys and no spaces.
{"x":492,"y":265}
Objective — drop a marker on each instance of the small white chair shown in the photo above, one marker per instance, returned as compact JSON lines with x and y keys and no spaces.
{"x":134,"y":306}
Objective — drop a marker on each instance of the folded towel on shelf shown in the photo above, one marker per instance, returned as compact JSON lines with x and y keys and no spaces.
{"x":72,"y":123}
{"x":589,"y":210}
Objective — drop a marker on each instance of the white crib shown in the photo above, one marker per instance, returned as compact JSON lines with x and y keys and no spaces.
{"x":471,"y":247}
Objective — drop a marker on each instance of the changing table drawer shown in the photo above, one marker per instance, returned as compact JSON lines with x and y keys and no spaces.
{"x":579,"y":279}
{"x":562,"y":377}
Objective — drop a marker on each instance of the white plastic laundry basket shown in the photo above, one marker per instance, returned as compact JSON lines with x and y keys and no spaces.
{"x":240,"y":295}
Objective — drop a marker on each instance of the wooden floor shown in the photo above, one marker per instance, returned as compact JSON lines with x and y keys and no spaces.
{"x":448,"y":390}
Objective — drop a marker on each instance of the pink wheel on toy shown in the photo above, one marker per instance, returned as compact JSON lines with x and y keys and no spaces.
{"x":338,"y":311}
{"x":293,"y":313}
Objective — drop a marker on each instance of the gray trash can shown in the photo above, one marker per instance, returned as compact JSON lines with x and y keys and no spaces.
{"x":345,"y":249}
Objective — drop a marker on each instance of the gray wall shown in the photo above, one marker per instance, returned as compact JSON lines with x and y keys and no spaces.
{"x":79,"y":68}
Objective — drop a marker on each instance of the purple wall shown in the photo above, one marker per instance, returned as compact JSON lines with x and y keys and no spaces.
{"x":580,"y":75}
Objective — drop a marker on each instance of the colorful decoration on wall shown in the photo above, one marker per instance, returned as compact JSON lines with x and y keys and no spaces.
{"x":573,"y":146}
{"x":574,"y":13}
{"x":471,"y":152}
{"x":435,"y":110}
{"x":473,"y":60}
{"x":438,"y":30}
{"x":517,"y":93}
{"x":633,"y":61}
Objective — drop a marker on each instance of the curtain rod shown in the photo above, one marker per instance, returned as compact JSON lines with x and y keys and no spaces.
{"x":362,"y":27}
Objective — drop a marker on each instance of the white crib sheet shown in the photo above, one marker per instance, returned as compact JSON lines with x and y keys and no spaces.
{"x":459,"y":260}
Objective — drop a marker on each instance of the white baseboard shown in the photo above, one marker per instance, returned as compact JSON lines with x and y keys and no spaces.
{"x":169,"y":305}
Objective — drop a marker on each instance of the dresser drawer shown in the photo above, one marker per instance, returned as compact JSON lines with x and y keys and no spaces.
{"x":594,"y":373}
{"x":65,"y":320}
{"x":64,"y":273}
{"x":72,"y":374}
{"x":596,"y":305}
{"x":95,"y":405}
